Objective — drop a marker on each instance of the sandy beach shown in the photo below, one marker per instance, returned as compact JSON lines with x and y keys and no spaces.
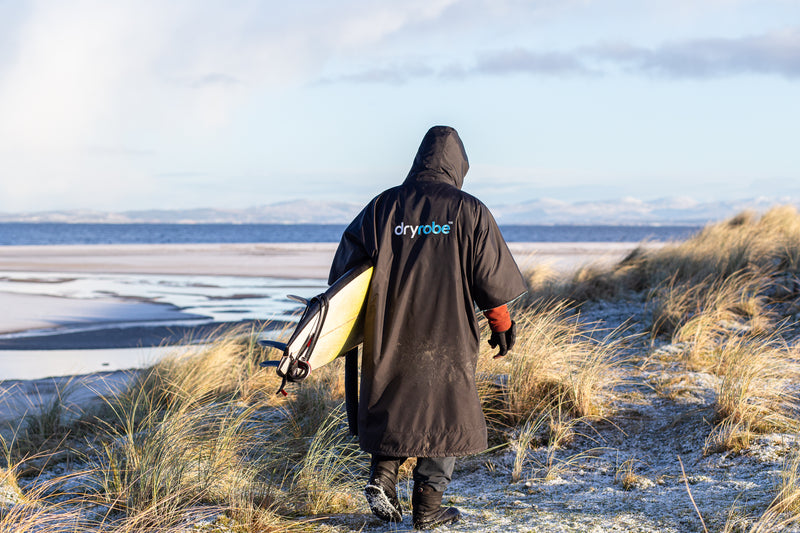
{"x":293,"y":260}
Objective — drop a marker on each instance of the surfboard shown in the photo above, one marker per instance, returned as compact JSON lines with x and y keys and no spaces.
{"x":332,"y":323}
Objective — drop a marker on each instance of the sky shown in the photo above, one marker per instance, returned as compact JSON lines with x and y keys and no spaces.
{"x":152,"y":104}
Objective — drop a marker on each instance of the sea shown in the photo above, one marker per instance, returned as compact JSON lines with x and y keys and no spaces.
{"x":175,"y":310}
{"x":24,"y":233}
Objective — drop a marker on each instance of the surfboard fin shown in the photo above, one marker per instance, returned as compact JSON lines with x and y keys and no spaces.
{"x":269,"y":343}
{"x":298,"y":299}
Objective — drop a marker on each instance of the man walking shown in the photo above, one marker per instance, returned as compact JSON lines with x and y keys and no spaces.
{"x":437,"y":254}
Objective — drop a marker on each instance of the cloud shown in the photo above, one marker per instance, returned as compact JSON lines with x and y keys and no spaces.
{"x":516,"y":61}
{"x":773,"y":54}
{"x":393,"y":75}
{"x":519,"y":60}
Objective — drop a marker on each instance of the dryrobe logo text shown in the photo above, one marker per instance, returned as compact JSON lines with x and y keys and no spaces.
{"x":433,"y":228}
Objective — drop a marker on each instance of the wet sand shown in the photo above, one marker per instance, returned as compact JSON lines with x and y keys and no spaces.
{"x":290,"y":260}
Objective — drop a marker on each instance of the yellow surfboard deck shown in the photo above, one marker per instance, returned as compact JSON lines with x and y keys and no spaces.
{"x":332,"y":324}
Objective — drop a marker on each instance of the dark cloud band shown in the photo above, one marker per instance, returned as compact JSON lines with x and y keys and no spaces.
{"x":776,"y":53}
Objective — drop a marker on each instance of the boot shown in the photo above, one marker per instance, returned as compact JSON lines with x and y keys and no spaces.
{"x":428,"y":512}
{"x":381,"y":491}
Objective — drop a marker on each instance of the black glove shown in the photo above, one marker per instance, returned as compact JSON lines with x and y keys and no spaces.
{"x":504,"y":339}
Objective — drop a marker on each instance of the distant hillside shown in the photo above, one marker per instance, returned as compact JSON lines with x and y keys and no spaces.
{"x":624,"y":211}
{"x":294,"y":212}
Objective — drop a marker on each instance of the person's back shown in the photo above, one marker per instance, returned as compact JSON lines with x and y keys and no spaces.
{"x":437,"y":252}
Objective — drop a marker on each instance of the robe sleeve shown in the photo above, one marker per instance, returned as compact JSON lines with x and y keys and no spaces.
{"x":496,"y":279}
{"x":351,"y":251}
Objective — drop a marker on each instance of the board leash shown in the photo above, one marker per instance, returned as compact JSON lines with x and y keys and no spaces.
{"x":299,"y":368}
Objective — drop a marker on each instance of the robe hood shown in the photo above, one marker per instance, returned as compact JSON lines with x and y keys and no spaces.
{"x":441,"y":157}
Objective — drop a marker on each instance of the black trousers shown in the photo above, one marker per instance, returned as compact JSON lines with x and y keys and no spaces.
{"x":433,"y":471}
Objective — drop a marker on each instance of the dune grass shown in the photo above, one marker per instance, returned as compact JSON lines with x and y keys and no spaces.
{"x":557,"y":362}
{"x":731,"y":329}
{"x":195,"y":431}
{"x":166,"y":463}
{"x":308,"y":406}
{"x":558,"y":381}
{"x":331,"y":473}
{"x":723,"y":297}
{"x":757,"y":392}
{"x":787,"y":499}
{"x":9,"y":487}
{"x":767,"y":244}
{"x":47,"y":431}
{"x":701,"y":308}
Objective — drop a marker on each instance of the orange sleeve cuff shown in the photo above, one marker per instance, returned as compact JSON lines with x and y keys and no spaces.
{"x":499,"y":318}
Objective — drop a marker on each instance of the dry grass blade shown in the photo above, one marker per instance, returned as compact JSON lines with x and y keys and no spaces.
{"x":40,"y":519}
{"x":788,"y":498}
{"x":689,"y":492}
{"x":784,"y":510}
{"x":626,"y":474}
{"x":10,"y":493}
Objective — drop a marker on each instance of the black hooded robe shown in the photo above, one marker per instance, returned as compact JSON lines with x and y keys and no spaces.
{"x":437,"y":252}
